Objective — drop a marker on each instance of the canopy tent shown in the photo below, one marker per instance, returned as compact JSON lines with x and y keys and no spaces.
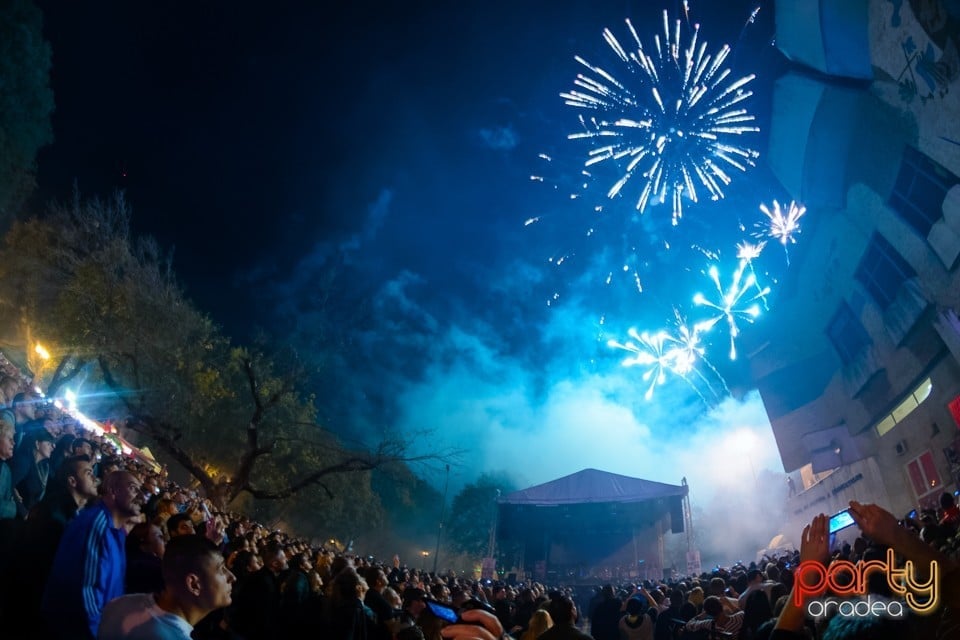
{"x":590,"y":522}
{"x":830,"y":36}
{"x":591,"y":485}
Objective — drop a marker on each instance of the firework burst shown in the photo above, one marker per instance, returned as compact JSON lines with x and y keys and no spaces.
{"x":736,"y":303}
{"x":783,"y":225}
{"x":674,"y":126}
{"x":649,"y":350}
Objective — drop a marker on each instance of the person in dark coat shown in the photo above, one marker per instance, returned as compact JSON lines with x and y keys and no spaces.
{"x":606,"y":616}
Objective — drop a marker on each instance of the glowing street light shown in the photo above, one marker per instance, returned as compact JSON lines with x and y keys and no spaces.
{"x":41,"y":351}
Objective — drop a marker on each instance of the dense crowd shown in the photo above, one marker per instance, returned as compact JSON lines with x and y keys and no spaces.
{"x":96,"y":544}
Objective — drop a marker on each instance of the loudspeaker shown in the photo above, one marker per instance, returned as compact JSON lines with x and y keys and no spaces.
{"x":676,"y":515}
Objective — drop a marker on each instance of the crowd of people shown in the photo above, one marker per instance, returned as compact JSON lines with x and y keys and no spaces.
{"x":96,"y":544}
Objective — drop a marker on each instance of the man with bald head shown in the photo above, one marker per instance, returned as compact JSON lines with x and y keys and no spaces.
{"x":89,"y":567}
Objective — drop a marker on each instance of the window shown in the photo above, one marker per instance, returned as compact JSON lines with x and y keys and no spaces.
{"x":921,"y":186}
{"x":882,"y":271}
{"x":905,"y":408}
{"x":847,"y":334}
{"x":923,"y":475}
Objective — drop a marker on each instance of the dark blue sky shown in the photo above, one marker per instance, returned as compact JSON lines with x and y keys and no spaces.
{"x":396,"y":140}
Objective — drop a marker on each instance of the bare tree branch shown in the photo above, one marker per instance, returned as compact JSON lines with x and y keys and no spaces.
{"x":115,"y":386}
{"x":60,"y":378}
{"x":387,"y":453}
{"x":167,"y":436}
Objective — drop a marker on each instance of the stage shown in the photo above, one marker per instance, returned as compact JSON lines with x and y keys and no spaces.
{"x":591,"y":526}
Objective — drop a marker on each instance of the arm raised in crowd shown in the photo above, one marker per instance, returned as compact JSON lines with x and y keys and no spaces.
{"x":814,"y":546}
{"x":881,"y":526}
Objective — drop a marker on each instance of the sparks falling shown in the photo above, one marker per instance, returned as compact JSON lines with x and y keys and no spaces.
{"x":649,"y":350}
{"x":783,"y":225}
{"x":749,"y":252}
{"x":677,"y":123}
{"x":738,"y":302}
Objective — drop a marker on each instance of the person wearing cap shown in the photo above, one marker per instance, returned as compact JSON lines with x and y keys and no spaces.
{"x":24,"y":408}
{"x":414,"y":602}
{"x":31,"y":468}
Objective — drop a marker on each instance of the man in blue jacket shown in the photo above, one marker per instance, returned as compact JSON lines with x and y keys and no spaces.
{"x":88,"y":569}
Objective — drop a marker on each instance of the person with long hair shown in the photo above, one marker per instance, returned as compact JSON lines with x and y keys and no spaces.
{"x":539,"y":622}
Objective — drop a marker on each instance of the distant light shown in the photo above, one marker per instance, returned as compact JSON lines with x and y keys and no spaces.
{"x":43,"y":353}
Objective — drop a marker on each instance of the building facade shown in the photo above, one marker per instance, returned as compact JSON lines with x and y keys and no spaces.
{"x":858,"y":361}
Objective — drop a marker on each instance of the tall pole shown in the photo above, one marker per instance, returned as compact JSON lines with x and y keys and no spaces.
{"x":492,"y":544}
{"x":443,"y":505}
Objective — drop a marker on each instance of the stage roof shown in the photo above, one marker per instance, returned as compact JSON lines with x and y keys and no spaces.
{"x":591,"y":485}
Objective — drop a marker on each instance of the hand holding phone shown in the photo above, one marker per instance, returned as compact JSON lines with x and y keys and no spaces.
{"x":840,"y":520}
{"x":442,"y":611}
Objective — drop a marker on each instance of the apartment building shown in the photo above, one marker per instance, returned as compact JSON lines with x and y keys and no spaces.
{"x":858,"y":360}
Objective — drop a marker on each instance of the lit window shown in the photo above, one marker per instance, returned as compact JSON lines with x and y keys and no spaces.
{"x":882,"y":271}
{"x":905,"y":408}
{"x":885,"y":425}
{"x":847,"y":334}
{"x":921,"y":186}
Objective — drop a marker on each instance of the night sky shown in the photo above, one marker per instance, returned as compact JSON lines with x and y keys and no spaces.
{"x":396,"y":141}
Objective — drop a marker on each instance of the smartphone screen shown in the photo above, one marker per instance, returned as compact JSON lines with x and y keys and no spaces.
{"x":442,"y":611}
{"x":840,"y":521}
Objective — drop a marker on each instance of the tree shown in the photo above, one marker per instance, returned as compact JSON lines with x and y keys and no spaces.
{"x":473,"y":513}
{"x":232,"y":416}
{"x":26,"y":101}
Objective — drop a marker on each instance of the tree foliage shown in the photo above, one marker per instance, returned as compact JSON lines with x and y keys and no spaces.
{"x":232,"y":416}
{"x":473,"y":513}
{"x":26,"y":101}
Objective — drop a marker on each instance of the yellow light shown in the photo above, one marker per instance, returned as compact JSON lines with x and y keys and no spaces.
{"x":43,"y":353}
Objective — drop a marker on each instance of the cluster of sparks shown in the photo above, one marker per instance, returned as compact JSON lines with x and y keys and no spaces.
{"x":782,"y":225}
{"x":676,"y":352}
{"x":736,"y":301}
{"x":671,"y":125}
{"x":675,"y":125}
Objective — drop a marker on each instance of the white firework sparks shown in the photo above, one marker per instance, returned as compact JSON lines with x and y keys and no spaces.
{"x":649,"y":350}
{"x":749,"y":252}
{"x":674,"y":126}
{"x":782,"y":225}
{"x":687,"y":352}
{"x":736,"y":303}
